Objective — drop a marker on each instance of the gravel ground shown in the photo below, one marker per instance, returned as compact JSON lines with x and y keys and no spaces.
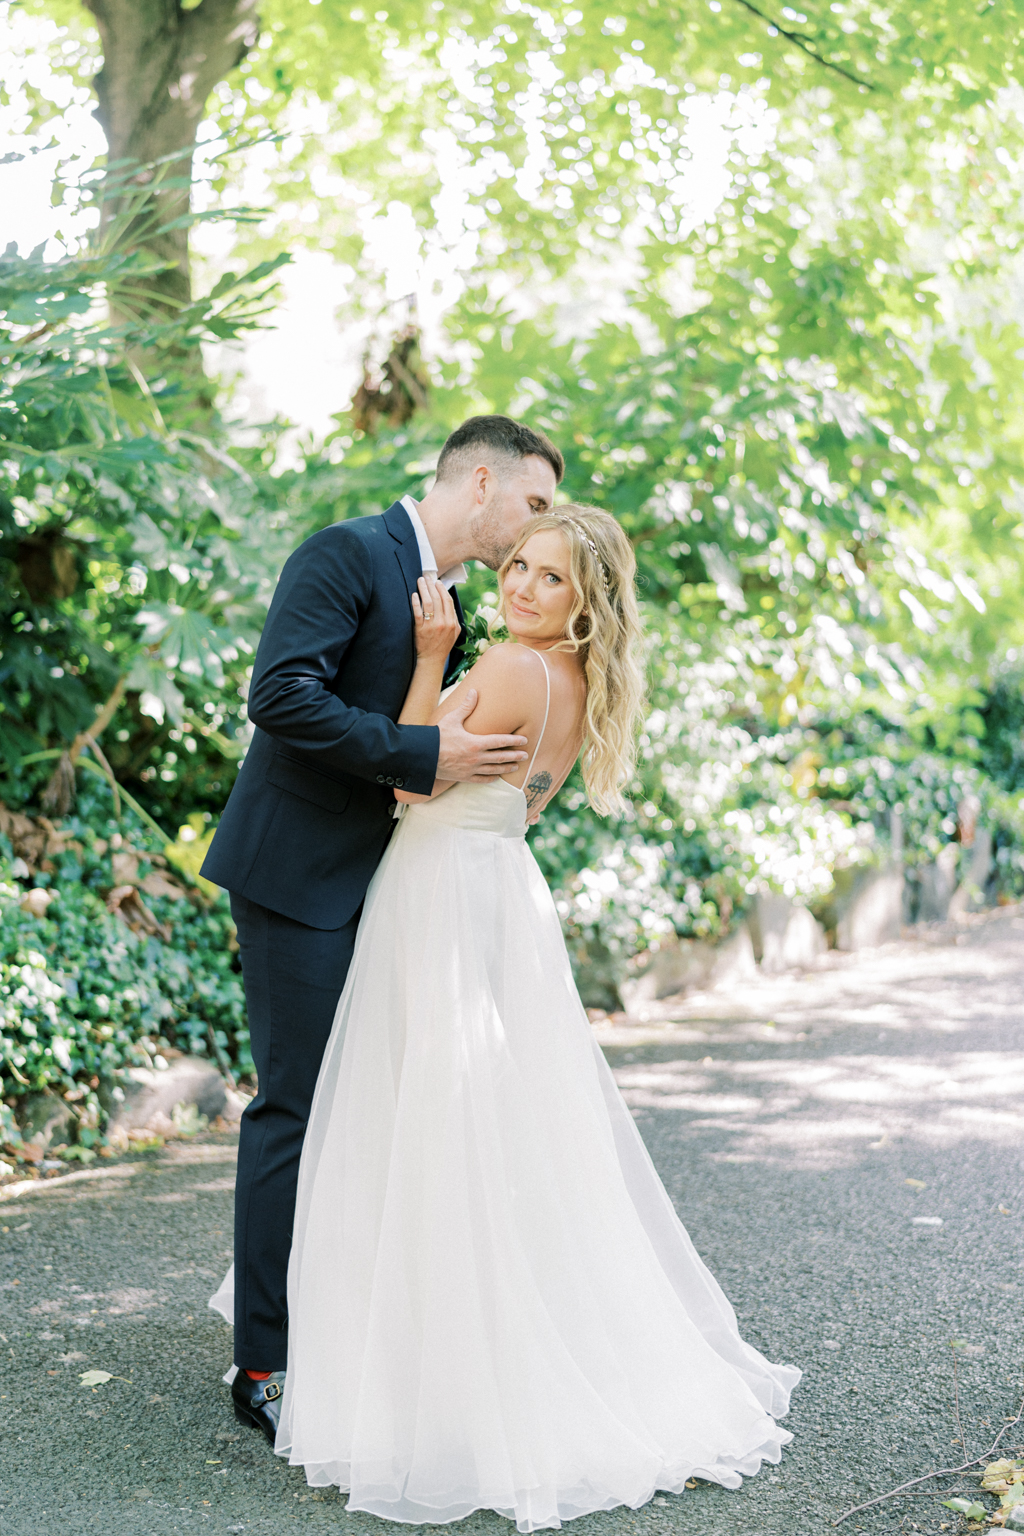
{"x":804,"y":1127}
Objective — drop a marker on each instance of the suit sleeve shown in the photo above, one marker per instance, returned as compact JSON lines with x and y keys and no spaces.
{"x":320,"y":600}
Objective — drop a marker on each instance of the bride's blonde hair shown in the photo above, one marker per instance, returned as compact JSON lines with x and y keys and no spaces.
{"x":603,"y":625}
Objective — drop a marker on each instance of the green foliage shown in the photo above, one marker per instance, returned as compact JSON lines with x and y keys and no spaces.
{"x":83,"y":997}
{"x":522,"y":136}
{"x":806,"y":412}
{"x":130,"y":547}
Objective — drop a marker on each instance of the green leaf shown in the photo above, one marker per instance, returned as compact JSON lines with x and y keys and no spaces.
{"x":188,"y":641}
{"x":95,"y":1378}
{"x":158,"y":694}
{"x":35,"y":309}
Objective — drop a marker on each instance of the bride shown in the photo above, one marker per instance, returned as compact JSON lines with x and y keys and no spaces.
{"x":492,"y":1303}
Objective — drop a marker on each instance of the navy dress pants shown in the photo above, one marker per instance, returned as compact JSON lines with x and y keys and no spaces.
{"x":293,"y":978}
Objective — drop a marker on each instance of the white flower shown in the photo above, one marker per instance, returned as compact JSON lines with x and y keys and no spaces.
{"x":483,"y":645}
{"x":487,"y":613}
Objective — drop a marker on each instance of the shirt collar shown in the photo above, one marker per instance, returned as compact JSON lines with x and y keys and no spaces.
{"x":428,"y":561}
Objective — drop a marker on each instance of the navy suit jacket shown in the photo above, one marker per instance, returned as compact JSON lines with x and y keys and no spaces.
{"x":310,"y":812}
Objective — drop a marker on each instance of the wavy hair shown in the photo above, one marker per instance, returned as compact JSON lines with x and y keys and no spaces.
{"x":604,"y":626}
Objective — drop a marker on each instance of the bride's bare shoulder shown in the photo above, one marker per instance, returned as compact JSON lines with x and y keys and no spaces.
{"x":510,"y":685}
{"x":504,"y":658}
{"x":509,"y":666}
{"x":520,"y":669}
{"x":508,"y":681}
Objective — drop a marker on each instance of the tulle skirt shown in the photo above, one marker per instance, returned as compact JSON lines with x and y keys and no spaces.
{"x":492,"y":1303}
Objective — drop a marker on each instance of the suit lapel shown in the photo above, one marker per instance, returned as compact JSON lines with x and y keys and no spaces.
{"x":407,"y":553}
{"x":455,"y":654}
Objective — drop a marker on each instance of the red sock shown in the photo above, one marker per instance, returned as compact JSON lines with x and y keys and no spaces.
{"x":259,"y":1375}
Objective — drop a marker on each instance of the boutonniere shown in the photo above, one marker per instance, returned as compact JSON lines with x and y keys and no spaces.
{"x":482,"y":630}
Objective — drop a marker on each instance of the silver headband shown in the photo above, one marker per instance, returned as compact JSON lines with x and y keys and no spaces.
{"x":564,"y":518}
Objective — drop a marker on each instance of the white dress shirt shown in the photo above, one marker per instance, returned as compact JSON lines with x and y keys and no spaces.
{"x":427,"y":558}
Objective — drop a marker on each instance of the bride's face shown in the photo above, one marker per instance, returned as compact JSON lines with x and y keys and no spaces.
{"x":538,"y":589}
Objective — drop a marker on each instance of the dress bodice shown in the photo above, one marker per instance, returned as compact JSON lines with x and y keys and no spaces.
{"x":496,"y":807}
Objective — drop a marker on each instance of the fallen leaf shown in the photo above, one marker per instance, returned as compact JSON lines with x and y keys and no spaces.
{"x":916,"y":1183}
{"x":95,"y":1378}
{"x":1004,"y":1468}
{"x":125,"y":902}
{"x":1003,"y":1210}
{"x":1012,"y":1496}
{"x":157,"y":884}
{"x":125,"y":866}
{"x":972,"y":1509}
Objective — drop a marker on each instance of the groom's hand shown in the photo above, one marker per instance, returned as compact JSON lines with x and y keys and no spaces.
{"x":464,"y":756}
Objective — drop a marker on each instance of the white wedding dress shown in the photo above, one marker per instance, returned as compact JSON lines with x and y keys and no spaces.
{"x":492,"y":1303}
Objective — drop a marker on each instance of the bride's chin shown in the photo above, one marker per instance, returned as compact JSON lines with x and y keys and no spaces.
{"x":528,"y":634}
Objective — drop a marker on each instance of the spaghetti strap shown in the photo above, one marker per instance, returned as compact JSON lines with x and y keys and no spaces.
{"x":547,"y":707}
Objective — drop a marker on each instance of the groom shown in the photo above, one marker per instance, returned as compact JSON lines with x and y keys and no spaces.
{"x":310,"y":813}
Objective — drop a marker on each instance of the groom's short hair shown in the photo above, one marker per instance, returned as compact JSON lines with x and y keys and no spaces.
{"x":502,"y":436}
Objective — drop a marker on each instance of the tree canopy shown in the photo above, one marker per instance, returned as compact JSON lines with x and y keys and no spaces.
{"x":756,"y":269}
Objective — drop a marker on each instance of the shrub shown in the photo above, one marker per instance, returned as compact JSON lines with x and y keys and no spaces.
{"x":109,"y":964}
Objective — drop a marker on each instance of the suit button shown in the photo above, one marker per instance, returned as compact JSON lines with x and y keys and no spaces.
{"x":391,"y":781}
{"x":380,"y":778}
{"x":399,"y":783}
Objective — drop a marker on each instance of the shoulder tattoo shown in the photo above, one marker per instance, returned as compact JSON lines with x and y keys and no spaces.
{"x":537,"y":789}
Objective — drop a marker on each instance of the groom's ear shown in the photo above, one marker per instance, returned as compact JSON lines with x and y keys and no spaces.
{"x":483,"y":482}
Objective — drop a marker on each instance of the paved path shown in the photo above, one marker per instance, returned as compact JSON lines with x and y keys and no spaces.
{"x":786,"y":1119}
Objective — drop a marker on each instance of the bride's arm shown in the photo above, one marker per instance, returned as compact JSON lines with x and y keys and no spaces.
{"x":436,"y":631}
{"x":508,"y":683}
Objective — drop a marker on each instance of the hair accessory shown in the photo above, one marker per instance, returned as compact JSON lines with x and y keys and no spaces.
{"x":587,"y":540}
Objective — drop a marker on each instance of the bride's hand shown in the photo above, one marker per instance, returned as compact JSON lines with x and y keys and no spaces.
{"x":435,"y":623}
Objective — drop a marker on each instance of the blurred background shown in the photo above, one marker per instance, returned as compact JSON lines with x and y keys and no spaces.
{"x":758,"y":273}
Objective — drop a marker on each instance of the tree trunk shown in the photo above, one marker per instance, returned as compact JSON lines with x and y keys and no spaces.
{"x":160,"y":63}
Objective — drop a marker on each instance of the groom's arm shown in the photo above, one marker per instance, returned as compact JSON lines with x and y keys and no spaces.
{"x":321,"y":598}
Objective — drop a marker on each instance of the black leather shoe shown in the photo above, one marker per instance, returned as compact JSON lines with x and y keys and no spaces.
{"x":258,"y":1403}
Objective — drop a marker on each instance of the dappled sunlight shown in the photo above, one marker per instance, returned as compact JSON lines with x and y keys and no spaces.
{"x":723,"y":1104}
{"x":818,"y":1114}
{"x":916,"y":1044}
{"x":943,"y":988}
{"x":878,"y":1079}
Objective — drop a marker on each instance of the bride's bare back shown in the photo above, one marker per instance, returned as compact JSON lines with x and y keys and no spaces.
{"x":512,"y":686}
